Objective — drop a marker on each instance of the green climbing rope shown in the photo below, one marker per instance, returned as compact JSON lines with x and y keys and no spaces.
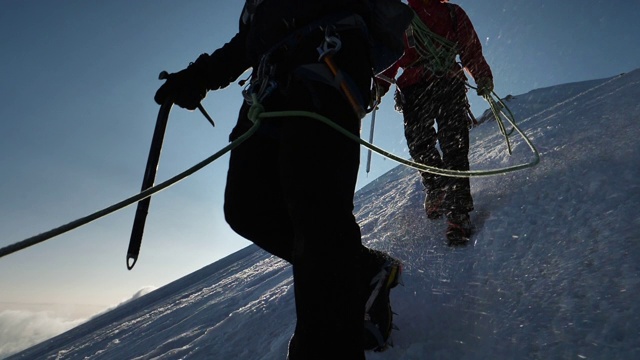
{"x":412,"y":164}
{"x":126,"y":202}
{"x":257,"y":114}
{"x":436,"y":52}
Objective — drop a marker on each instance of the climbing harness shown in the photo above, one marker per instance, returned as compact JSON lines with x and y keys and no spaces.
{"x":329,"y":47}
{"x":262,"y":83}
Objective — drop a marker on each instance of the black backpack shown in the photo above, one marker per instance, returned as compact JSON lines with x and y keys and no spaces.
{"x":389,"y":21}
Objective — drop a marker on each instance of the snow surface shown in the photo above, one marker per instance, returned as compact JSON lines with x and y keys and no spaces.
{"x":553,"y":271}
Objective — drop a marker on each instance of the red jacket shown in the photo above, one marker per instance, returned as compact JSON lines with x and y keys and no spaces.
{"x":452,"y":24}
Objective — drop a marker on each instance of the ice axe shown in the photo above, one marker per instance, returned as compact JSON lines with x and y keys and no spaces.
{"x":150,"y":175}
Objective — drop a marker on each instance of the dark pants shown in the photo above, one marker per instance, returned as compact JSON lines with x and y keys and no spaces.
{"x":441,"y":101}
{"x":290,"y":190}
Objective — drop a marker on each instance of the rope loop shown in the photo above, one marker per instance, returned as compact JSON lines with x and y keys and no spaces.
{"x":256,"y":109}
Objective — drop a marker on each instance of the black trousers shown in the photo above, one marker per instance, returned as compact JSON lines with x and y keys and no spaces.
{"x":440,"y":102}
{"x":290,"y":190}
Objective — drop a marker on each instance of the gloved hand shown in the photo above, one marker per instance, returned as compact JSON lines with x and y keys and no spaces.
{"x":484,"y":86}
{"x":382,"y":87}
{"x":185,"y":88}
{"x":375,"y":97}
{"x":379,"y":89}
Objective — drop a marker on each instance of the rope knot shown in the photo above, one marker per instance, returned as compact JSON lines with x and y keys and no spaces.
{"x":254,"y":111}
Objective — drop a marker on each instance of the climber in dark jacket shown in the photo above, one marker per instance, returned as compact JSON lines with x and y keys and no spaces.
{"x":432,"y":90}
{"x":290,"y":185}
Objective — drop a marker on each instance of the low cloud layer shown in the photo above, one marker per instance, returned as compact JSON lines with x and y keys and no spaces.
{"x":21,"y":329}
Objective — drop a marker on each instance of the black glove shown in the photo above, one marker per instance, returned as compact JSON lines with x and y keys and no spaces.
{"x":382,"y":87}
{"x":378,"y":90}
{"x":185,"y":88}
{"x":484,"y":86}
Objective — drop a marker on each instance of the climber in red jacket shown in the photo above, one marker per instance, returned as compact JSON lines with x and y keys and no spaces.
{"x":431,"y":90}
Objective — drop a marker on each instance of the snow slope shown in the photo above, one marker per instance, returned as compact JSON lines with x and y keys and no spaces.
{"x":553,"y":272}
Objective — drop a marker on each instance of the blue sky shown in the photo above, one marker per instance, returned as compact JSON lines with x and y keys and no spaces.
{"x":77,"y":115}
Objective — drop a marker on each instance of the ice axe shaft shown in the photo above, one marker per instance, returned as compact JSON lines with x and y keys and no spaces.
{"x":149,"y":178}
{"x":373,"y":124}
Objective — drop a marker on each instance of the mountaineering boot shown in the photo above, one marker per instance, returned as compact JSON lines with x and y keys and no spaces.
{"x":459,"y":229}
{"x":378,"y":318}
{"x":433,"y":204}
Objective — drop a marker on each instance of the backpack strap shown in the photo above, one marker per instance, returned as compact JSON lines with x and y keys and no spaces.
{"x":249,"y":9}
{"x":454,"y":18}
